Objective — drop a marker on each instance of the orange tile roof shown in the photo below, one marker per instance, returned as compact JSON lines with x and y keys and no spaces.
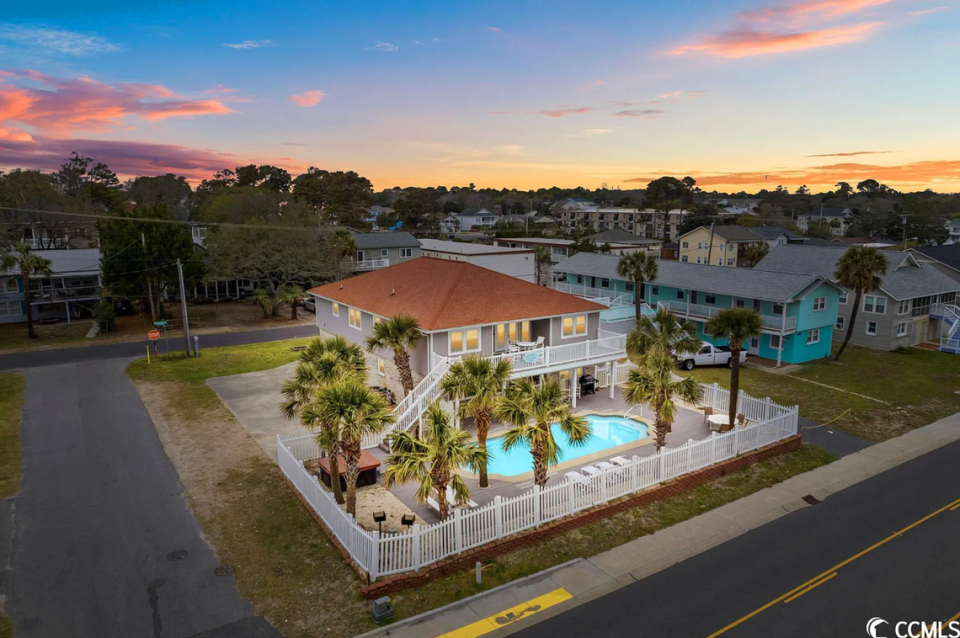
{"x":449,"y":294}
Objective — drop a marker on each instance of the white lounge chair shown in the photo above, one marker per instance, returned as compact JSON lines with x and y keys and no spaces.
{"x":619,"y":460}
{"x":452,"y":499}
{"x":432,"y":503}
{"x":603,"y":465}
{"x":540,"y":341}
{"x":589,"y":470}
{"x":575,"y":477}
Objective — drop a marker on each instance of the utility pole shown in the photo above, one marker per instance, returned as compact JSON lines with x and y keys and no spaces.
{"x":183,"y":305}
{"x":710,"y":245}
{"x":154,"y":314}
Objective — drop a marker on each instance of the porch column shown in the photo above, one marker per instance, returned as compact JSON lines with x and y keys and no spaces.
{"x":783,"y":329}
{"x":613,"y":379}
{"x":66,"y":304}
{"x":573,"y":387}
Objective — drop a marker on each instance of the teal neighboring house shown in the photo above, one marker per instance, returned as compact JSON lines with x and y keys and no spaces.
{"x":799,"y":312}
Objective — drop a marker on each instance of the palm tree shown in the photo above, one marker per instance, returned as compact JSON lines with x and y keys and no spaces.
{"x":293,"y":295}
{"x":397,"y":334}
{"x":532,"y":409}
{"x":322,"y":363}
{"x":859,"y":270}
{"x":654,"y":382}
{"x":352,"y":410}
{"x":434,"y":459}
{"x":738,"y":325}
{"x":754,"y":253}
{"x":263,"y":299}
{"x":479,"y":382}
{"x":663,"y":330}
{"x":638,"y":267}
{"x":541,"y":258}
{"x":28,"y":263}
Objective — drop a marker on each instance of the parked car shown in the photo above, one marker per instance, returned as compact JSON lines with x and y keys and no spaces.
{"x":709,"y":355}
{"x":310,"y":303}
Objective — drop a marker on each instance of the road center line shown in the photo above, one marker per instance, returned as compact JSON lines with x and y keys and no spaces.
{"x":790,"y":594}
{"x":816,"y":584}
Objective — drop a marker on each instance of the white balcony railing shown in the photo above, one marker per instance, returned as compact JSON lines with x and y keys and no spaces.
{"x":600,"y":295}
{"x":775,"y":323}
{"x":369,"y":264}
{"x":581,"y":353}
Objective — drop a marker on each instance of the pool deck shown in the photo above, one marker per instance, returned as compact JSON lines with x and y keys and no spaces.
{"x":689,"y":424}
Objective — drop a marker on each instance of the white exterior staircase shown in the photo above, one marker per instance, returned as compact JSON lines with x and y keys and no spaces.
{"x":949,"y":314}
{"x":409,"y":411}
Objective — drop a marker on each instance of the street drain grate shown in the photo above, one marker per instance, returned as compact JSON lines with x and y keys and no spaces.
{"x":180,"y":554}
{"x":223,"y":570}
{"x":810,"y":499}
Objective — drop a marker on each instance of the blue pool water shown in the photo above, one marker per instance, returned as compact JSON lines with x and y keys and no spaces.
{"x":607,"y":432}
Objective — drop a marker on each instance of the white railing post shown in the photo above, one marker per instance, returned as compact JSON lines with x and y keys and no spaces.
{"x":634,"y":473}
{"x":415,"y":549}
{"x":458,"y":527}
{"x":661,"y":454}
{"x":537,"y":492}
{"x":374,"y":557}
{"x":766,"y":409}
{"x":713,"y":448}
{"x":498,"y":515}
{"x":603,"y":485}
{"x":571,"y":496}
{"x":689,"y":454}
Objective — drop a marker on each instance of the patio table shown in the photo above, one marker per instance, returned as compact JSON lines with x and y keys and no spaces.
{"x":719,"y":420}
{"x":526,"y":345}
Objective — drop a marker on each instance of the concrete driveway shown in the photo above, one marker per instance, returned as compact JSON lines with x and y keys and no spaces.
{"x":103,"y":543}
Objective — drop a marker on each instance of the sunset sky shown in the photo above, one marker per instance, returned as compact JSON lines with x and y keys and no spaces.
{"x":738,"y":94}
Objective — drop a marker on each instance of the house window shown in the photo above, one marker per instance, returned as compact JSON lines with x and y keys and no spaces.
{"x":685,"y":244}
{"x":574,"y":326}
{"x":740,"y":303}
{"x":381,"y":367}
{"x":776,"y":342}
{"x":778,"y":308}
{"x":654,"y":290}
{"x":354,"y":318}
{"x":876,"y":305}
{"x":710,"y":299}
{"x":604,"y":283}
{"x":840,"y":323}
{"x":336,"y":309}
{"x":721,"y":247}
{"x":731,"y":261}
{"x":377,"y":320}
{"x":819,"y":303}
{"x":813,"y":336}
{"x":508,"y":333}
{"x":629,"y":286}
{"x":462,"y":341}
{"x":579,"y":279}
{"x":680,"y":295}
{"x":384,"y":252}
{"x":406,"y":252}
{"x":843,"y":298}
{"x":871,"y":327}
{"x":902,"y":329}
{"x":9,"y":285}
{"x":9,"y":308}
{"x":904,"y":307}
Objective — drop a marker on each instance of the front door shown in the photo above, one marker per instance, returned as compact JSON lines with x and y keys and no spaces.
{"x":361,"y":256}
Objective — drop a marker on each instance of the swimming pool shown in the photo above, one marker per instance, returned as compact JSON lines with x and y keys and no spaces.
{"x":606,"y":432}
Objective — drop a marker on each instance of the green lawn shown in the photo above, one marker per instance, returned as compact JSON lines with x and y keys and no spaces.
{"x":11,"y":405}
{"x":911,"y":388}
{"x":283,"y":561}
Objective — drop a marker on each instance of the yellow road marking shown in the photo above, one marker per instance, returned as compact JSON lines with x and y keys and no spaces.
{"x":793,"y":591}
{"x":509,"y":616}
{"x":955,"y":507}
{"x":955,"y":617}
{"x":816,"y":584}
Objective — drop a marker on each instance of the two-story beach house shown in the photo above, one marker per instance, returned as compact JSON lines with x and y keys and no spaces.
{"x":916,"y":302}
{"x":379,"y":250}
{"x":722,"y":246}
{"x":798,"y":311}
{"x":836,"y":217}
{"x":467,"y":220}
{"x":464,"y":309}
{"x":71,"y":291}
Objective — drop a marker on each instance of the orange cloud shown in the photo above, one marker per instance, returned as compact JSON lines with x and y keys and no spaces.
{"x":913,"y":175}
{"x":849,"y":154}
{"x":62,"y":107}
{"x":806,"y":9}
{"x":923,"y":12}
{"x":741,"y":44}
{"x":308,"y":98}
{"x":564,"y":112}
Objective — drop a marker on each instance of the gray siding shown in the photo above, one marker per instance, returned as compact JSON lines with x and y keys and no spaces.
{"x":886,"y":337}
{"x":393,"y":254}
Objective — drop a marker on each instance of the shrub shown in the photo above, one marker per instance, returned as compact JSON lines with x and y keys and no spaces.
{"x":106,"y":316}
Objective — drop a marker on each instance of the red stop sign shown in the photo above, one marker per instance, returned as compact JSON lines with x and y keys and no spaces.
{"x":154,"y":335}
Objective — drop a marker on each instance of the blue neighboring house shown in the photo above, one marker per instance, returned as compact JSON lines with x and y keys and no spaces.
{"x":799,"y":311}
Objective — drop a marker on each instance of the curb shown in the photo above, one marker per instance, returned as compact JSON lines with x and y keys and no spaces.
{"x":427,"y":615}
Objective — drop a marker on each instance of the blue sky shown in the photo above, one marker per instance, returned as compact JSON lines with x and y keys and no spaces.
{"x":516,"y":94}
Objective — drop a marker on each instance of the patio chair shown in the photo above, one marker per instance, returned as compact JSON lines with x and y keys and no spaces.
{"x":603,"y":465}
{"x":540,"y":341}
{"x":432,"y":503}
{"x":619,"y":460}
{"x":742,"y":419}
{"x":575,"y":477}
{"x":707,"y":412}
{"x":512,"y":348}
{"x":590,"y":470}
{"x":452,"y":499}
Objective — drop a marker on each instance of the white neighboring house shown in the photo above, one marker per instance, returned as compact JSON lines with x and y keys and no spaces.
{"x":838,"y":218}
{"x":466,"y":220}
{"x":516,"y":262}
{"x":953,"y":232}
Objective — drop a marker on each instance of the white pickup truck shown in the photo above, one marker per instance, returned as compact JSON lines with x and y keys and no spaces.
{"x":709,"y":355}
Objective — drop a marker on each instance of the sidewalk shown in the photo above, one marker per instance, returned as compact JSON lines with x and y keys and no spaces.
{"x":508,"y":609}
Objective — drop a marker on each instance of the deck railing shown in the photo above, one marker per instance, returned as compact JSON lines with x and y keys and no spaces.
{"x":382,"y":555}
{"x":770,"y":322}
{"x":369,"y":264}
{"x":581,"y":353}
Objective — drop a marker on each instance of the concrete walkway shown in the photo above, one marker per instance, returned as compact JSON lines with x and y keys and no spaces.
{"x":587,"y":580}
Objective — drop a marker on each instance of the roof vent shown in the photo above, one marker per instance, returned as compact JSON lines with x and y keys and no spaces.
{"x":393,"y":292}
{"x":341,"y":286}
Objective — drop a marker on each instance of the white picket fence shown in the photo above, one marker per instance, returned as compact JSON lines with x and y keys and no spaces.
{"x":411,"y":550}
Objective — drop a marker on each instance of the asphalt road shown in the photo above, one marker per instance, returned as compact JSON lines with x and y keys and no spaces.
{"x":913,"y":576}
{"x":103,"y":542}
{"x":133,"y":349}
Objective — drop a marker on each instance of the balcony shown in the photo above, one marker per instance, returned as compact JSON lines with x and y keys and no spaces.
{"x":368,"y":264}
{"x":772,"y":323}
{"x":540,"y":360}
{"x":49,"y":295}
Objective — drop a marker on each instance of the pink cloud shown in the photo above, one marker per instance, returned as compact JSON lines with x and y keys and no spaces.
{"x":741,"y":44}
{"x":647,"y":114}
{"x":923,"y":12}
{"x":308,"y":98}
{"x":564,"y":112}
{"x":493,"y":29}
{"x":810,"y":9}
{"x":61,"y":107}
